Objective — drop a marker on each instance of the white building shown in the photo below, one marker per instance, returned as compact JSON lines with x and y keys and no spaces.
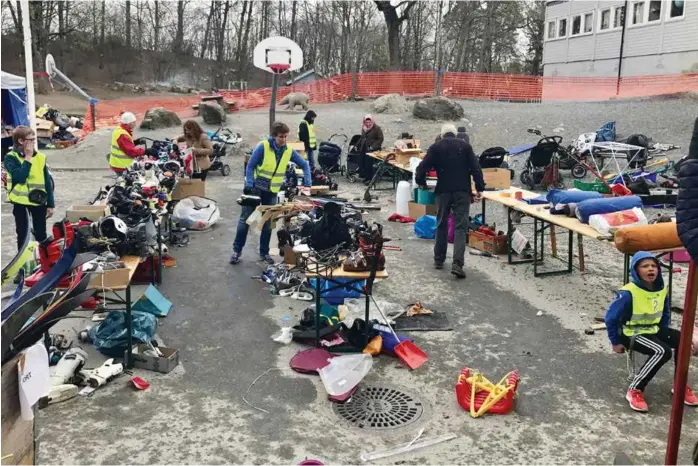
{"x":588,"y":38}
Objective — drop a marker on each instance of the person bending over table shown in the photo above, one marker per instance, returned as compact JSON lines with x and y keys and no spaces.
{"x":201,"y":146}
{"x":455,"y":164}
{"x":638,"y":320}
{"x":371,"y":140}
{"x":264,"y":176}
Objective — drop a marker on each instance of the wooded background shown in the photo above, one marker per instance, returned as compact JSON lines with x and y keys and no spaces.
{"x":209,"y":44}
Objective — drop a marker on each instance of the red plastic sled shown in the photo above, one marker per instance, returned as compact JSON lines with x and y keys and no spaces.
{"x":464,"y":393}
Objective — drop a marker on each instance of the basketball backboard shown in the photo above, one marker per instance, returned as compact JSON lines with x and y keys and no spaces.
{"x":278,"y":55}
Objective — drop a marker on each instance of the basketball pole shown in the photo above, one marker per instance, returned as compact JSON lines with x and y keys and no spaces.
{"x":272,"y":104}
{"x":28,"y":64}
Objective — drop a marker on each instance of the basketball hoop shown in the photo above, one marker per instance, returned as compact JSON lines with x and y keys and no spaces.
{"x":279,"y":68}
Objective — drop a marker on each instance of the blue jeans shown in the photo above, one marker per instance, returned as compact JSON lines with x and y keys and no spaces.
{"x":268,"y":198}
{"x":311,"y":159}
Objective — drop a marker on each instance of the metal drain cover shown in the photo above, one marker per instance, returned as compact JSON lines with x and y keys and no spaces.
{"x":380,"y":407}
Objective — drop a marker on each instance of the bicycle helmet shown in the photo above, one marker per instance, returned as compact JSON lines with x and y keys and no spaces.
{"x":114,"y":228}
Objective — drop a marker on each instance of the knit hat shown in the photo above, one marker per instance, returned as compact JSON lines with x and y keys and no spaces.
{"x":448,"y":128}
{"x":127,"y":118}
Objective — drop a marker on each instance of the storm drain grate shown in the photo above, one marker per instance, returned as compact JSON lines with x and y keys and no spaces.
{"x":380,"y":407}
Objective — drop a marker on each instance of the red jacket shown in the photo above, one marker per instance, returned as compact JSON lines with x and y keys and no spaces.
{"x":126,"y":145}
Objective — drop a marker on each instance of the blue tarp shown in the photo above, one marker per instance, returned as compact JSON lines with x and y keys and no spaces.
{"x":14,"y":100}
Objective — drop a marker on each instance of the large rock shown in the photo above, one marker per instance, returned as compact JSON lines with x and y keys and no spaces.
{"x":160,"y":117}
{"x":437,"y":108}
{"x":391,"y":103}
{"x":212,"y":113}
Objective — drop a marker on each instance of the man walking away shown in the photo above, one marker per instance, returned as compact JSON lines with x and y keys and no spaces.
{"x":264,"y":176}
{"x":306,"y":134}
{"x":455,"y":165}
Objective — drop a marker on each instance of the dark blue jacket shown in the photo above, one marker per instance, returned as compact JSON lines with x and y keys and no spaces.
{"x":621,"y":309}
{"x":687,"y":204}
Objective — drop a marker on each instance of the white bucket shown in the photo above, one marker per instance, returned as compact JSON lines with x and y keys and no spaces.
{"x":402,"y":198}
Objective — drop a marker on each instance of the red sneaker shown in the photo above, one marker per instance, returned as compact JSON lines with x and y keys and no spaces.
{"x":637,"y":401}
{"x":690,"y":399}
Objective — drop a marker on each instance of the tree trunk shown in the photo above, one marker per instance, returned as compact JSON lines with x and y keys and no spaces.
{"x":128,"y":24}
{"x":179,"y":36}
{"x":207,"y":30}
{"x":101,"y":36}
{"x":220,"y":55}
{"x":294,"y":7}
{"x":156,"y":32}
{"x":246,"y":37}
{"x":238,"y":54}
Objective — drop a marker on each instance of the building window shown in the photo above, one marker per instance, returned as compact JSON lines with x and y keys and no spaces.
{"x":588,"y":23}
{"x":605,"y":20}
{"x":618,"y":17}
{"x":638,"y":13}
{"x":551,"y":30}
{"x":676,"y":9}
{"x":562,"y":27}
{"x":576,"y":25}
{"x":655,"y":11}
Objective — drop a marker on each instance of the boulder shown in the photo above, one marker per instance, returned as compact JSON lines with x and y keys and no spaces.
{"x":212,"y":113}
{"x":390,"y":103}
{"x":437,"y":108}
{"x":160,"y":117}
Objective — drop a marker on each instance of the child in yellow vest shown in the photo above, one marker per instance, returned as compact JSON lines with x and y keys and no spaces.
{"x":638,"y":320}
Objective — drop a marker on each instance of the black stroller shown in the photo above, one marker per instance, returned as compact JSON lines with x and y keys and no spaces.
{"x":496,"y":157}
{"x":543,"y":165}
{"x":354,"y":154}
{"x":330,"y":154}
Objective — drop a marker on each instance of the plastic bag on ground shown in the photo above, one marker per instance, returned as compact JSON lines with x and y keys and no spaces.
{"x":345,"y":372}
{"x":284,"y":335}
{"x":425,"y":227}
{"x":603,"y":223}
{"x":196,"y":213}
{"x":110,"y":336}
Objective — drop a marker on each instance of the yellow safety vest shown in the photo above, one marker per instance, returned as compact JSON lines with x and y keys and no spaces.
{"x":648,"y":307}
{"x":311,"y":134}
{"x":118,"y":158}
{"x":19,"y":193}
{"x":269,"y":169}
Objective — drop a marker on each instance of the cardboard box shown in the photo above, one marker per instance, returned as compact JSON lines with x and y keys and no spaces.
{"x":188,"y":187}
{"x":496,"y":178}
{"x":113,"y":278}
{"x":483,"y":242}
{"x":290,"y":257}
{"x":17,"y":434}
{"x":91,"y":212}
{"x":44,"y":128}
{"x":164,"y":364}
{"x":420,"y":210}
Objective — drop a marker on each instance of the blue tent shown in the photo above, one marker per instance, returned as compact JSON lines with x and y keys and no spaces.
{"x":14,"y":100}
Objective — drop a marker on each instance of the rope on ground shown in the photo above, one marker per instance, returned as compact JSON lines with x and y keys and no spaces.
{"x":252,"y":385}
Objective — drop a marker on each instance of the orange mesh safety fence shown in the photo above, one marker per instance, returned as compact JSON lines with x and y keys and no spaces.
{"x":506,"y":87}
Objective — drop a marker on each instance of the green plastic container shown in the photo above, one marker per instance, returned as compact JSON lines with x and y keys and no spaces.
{"x":425,"y":197}
{"x":415,"y":194}
{"x":596,"y":186}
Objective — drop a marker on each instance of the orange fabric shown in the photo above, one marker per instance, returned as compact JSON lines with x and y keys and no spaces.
{"x":510,"y":87}
{"x":653,"y":237}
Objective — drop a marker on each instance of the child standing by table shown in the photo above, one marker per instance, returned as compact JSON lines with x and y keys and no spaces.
{"x":638,"y":320}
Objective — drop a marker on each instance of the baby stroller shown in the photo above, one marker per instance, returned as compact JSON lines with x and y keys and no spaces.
{"x":543,"y":165}
{"x":330,"y":154}
{"x":495,"y":157}
{"x":353,"y":157}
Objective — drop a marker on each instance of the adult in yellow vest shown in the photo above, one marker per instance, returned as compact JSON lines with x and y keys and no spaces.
{"x":264,"y":176}
{"x":306,"y":134}
{"x":123,"y":147}
{"x":638,"y":320}
{"x":29,"y":185}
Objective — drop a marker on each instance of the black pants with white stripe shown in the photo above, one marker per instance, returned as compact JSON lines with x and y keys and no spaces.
{"x":658,"y":347}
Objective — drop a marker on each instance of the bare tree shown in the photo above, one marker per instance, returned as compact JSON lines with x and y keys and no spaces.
{"x":534,"y":26}
{"x":179,"y":35}
{"x":128,"y":24}
{"x":393,"y":22}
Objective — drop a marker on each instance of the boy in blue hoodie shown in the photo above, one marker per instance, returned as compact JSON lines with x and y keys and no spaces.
{"x":638,"y":320}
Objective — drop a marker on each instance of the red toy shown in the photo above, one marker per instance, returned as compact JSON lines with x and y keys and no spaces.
{"x":464,"y":390}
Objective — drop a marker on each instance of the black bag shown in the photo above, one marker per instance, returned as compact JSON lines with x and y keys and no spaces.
{"x":638,"y":160}
{"x":355,"y":335}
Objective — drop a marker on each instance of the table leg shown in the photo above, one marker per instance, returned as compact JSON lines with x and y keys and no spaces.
{"x":535,"y":246}
{"x":671,"y":276}
{"x":366,"y":317}
{"x":580,"y":248}
{"x":570,"y":250}
{"x":483,"y":211}
{"x":626,"y":268}
{"x":159,"y":274}
{"x":317,"y":308}
{"x":553,"y":241}
{"x":129,"y":328}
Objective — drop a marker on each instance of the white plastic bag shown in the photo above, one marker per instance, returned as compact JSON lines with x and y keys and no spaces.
{"x":196,"y":213}
{"x":345,"y":372}
{"x":284,"y":335}
{"x":603,"y":223}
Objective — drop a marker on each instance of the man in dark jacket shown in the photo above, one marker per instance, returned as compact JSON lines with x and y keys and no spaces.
{"x":306,"y":134}
{"x":455,"y":164}
{"x":687,"y":204}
